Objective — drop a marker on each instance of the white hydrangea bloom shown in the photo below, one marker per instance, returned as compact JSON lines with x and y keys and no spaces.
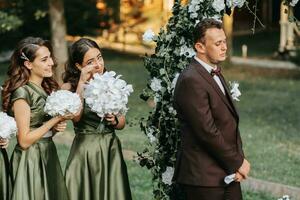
{"x":235,"y":92}
{"x":107,"y":94}
{"x":234,"y":3}
{"x":8,"y":126}
{"x":194,"y":7}
{"x":148,"y":35}
{"x":62,"y":102}
{"x":218,"y":5}
{"x":293,"y":2}
{"x":155,"y":84}
{"x":168,"y":175}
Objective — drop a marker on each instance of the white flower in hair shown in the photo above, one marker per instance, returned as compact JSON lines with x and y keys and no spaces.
{"x":148,"y":36}
{"x":107,"y":94}
{"x":8,"y":126}
{"x":62,"y":102}
{"x":168,"y":175}
{"x":24,"y":57}
{"x":234,"y":90}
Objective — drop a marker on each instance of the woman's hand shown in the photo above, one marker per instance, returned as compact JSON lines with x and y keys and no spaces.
{"x":60,"y":127}
{"x":68,"y":116}
{"x":86,"y":73}
{"x":4,"y":143}
{"x":111,"y":119}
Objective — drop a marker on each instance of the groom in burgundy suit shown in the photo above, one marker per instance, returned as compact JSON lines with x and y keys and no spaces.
{"x":211,"y":146}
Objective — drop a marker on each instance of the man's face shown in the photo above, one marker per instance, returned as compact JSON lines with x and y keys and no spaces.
{"x":214,"y":47}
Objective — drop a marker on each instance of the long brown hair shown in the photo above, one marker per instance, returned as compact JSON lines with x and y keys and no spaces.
{"x":18,"y":74}
{"x":76,"y":55}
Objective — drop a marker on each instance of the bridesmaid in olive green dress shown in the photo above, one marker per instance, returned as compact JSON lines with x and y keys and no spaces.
{"x":4,"y":171}
{"x":36,"y":171}
{"x":95,"y":168}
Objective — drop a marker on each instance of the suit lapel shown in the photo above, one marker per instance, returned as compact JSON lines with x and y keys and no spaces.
{"x":228,"y":95}
{"x":204,"y":73}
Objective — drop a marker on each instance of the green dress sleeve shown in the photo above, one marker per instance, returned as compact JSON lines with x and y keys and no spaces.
{"x":21,"y":93}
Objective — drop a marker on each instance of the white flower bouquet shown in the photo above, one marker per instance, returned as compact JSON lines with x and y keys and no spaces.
{"x":8,"y":126}
{"x":107,"y":94}
{"x":62,"y":102}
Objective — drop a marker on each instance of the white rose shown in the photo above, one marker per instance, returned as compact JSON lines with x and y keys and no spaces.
{"x":168,"y":175}
{"x":155,"y":84}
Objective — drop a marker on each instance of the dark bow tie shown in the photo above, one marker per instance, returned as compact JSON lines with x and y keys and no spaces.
{"x":216,"y":71}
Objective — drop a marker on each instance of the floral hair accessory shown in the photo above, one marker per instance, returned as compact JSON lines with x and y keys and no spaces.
{"x":24,"y":57}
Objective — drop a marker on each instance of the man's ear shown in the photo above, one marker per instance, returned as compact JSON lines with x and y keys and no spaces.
{"x":28,"y":64}
{"x":200,"y":47}
{"x":78,"y":66}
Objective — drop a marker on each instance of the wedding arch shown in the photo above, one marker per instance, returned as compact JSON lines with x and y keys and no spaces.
{"x":174,"y":49}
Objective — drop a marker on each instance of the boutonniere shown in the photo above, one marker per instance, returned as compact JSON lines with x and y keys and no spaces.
{"x":234,"y":90}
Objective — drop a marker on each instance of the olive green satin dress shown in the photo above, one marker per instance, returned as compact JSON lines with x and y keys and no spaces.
{"x":5,"y":184}
{"x":36,"y":171}
{"x":96,"y":169}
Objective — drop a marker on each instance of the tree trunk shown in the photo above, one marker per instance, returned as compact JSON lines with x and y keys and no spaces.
{"x":115,"y":6}
{"x":228,"y":28}
{"x":58,"y":33}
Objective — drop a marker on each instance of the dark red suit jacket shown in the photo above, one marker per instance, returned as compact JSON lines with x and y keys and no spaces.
{"x":211,"y":146}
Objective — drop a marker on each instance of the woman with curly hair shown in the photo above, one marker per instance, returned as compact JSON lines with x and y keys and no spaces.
{"x":5,"y":184}
{"x":95,"y":168}
{"x":36,"y":170}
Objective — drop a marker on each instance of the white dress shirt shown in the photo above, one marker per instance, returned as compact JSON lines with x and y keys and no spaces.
{"x":209,"y":69}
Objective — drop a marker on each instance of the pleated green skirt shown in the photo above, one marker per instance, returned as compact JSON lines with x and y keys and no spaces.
{"x":4,"y":176}
{"x":96,"y":169}
{"x":37,"y":174}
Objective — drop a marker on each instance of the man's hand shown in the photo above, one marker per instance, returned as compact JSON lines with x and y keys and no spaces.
{"x":244,"y":169}
{"x":238,"y":177}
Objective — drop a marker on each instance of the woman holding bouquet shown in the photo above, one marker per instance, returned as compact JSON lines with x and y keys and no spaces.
{"x":5,"y":184}
{"x":35,"y":168}
{"x":95,"y":168}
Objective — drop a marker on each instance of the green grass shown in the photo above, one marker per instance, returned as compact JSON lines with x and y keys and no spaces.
{"x":269,"y":122}
{"x":269,"y":113}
